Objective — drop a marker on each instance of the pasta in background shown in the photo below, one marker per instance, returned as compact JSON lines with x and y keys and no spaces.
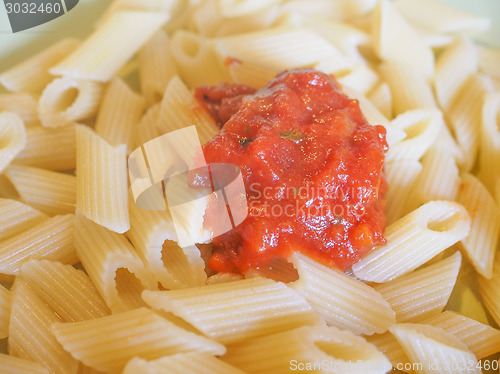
{"x":93,"y":283}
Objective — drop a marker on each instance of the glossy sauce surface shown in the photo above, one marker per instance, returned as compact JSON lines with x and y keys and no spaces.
{"x":312,"y":168}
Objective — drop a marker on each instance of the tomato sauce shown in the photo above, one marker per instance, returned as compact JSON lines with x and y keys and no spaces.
{"x":312,"y":166}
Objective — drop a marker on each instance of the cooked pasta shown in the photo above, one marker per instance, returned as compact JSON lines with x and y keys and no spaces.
{"x":153,"y":235}
{"x":415,"y":239}
{"x":340,"y":300}
{"x":156,"y":67}
{"x":17,"y":217}
{"x":423,"y":292}
{"x":101,"y":180}
{"x":48,"y":191}
{"x":66,"y":100}
{"x":489,"y":290}
{"x":182,"y":363}
{"x":66,"y":290}
{"x":51,"y":239}
{"x":120,"y":112}
{"x":12,"y":138}
{"x":53,"y":149}
{"x":481,"y":243}
{"x":32,"y":74}
{"x":401,"y":177}
{"x":409,"y":87}
{"x":465,"y":117}
{"x":439,"y":178}
{"x":101,"y":274}
{"x":441,"y":17}
{"x":22,"y":104}
{"x":153,"y":337}
{"x":178,"y":110}
{"x":112,"y":264}
{"x":5,"y":301}
{"x":480,"y":339}
{"x":309,"y":345}
{"x":258,"y":306}
{"x":396,"y":41}
{"x":15,"y":365}
{"x":490,"y":140}
{"x":95,"y":60}
{"x":453,"y":67}
{"x":435,"y":349}
{"x":421,"y":127}
{"x":30,"y":336}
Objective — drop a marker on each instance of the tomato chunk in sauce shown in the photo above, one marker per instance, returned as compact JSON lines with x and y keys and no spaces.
{"x":312,"y":167}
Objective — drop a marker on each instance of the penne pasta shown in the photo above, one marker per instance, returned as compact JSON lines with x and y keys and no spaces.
{"x":32,"y":74}
{"x":340,"y":10}
{"x":153,"y":235}
{"x":12,"y":138}
{"x":465,"y":117}
{"x":381,"y":97}
{"x":182,"y":363}
{"x":22,"y":104}
{"x":15,"y":365}
{"x":66,"y":100}
{"x":48,"y":191}
{"x":340,"y":300}
{"x":5,"y":301}
{"x":52,"y":149}
{"x":101,"y":181}
{"x":179,"y":110}
{"x":156,"y":67}
{"x":421,"y":127}
{"x":249,"y":73}
{"x":409,"y":87}
{"x":95,"y":60}
{"x":394,"y":135}
{"x":137,"y":333}
{"x":258,"y":306}
{"x":481,"y":244}
{"x":489,"y":290}
{"x":439,"y":179}
{"x":433,"y":349}
{"x":390,"y":347}
{"x":232,"y":8}
{"x":190,"y":51}
{"x":490,"y":140}
{"x":413,"y":240}
{"x":112,"y":264}
{"x":147,"y":129}
{"x":30,"y":336}
{"x":307,"y":348}
{"x":489,"y":60}
{"x":51,"y":239}
{"x":440,"y":17}
{"x":394,"y":40}
{"x":280,"y":48}
{"x":66,"y":290}
{"x":423,"y":292}
{"x":120,"y":112}
{"x":346,"y":37}
{"x":401,"y":176}
{"x":453,"y":67}
{"x":17,"y":217}
{"x":360,"y":77}
{"x":480,"y":339}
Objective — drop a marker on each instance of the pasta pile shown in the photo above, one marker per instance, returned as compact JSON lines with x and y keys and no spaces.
{"x":95,"y":284}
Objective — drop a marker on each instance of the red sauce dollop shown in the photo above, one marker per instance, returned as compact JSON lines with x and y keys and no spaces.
{"x":312,"y":166}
